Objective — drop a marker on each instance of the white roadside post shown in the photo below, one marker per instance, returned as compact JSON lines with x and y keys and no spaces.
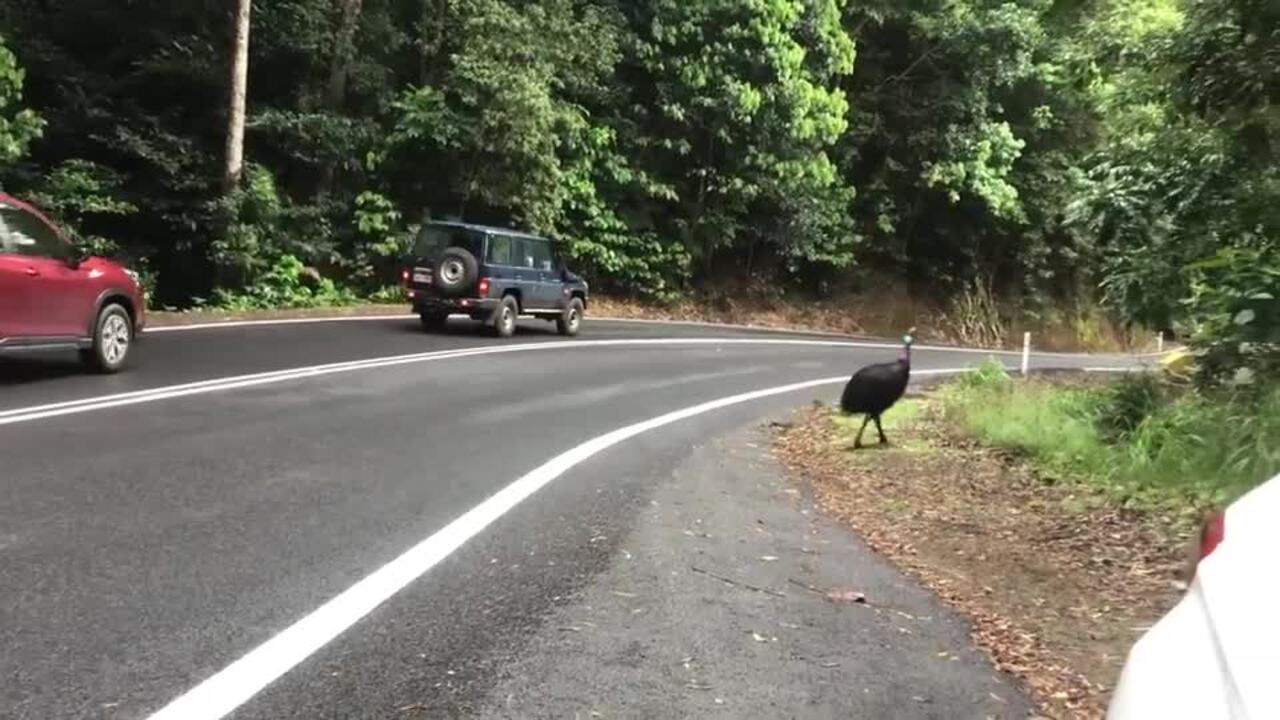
{"x":1160,"y":342}
{"x":1026,"y":352}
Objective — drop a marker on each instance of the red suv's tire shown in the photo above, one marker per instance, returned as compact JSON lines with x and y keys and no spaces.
{"x":112,"y":340}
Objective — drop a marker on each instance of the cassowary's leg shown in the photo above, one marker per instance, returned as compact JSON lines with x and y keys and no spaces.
{"x":858,"y":443}
{"x":883,"y":440}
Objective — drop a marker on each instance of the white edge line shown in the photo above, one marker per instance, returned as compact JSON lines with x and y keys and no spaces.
{"x":235,"y":684}
{"x":277,"y":321}
{"x":641,"y":321}
{"x":69,"y":407}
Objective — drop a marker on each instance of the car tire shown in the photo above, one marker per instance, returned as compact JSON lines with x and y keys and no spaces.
{"x":433,"y":322}
{"x":456,"y":272}
{"x":504,"y":318}
{"x":570,"y":320}
{"x":112,"y":340}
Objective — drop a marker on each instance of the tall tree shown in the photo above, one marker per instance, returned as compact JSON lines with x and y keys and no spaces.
{"x":343,"y":52}
{"x":238,"y":95}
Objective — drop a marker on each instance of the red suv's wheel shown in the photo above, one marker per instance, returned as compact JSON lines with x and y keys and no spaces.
{"x":112,"y":340}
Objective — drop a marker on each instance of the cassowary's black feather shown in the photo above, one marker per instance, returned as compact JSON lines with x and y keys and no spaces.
{"x":875,"y":388}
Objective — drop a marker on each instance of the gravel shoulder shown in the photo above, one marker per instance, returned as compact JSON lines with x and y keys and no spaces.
{"x":1057,"y":582}
{"x":733,"y":596}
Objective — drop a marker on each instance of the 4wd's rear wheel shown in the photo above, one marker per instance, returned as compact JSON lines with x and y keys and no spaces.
{"x":504,"y":318}
{"x":112,"y":339}
{"x":456,"y":272}
{"x":433,"y":322}
{"x":570,"y":320}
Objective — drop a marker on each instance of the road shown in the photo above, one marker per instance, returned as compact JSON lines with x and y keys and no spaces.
{"x":161,"y":524}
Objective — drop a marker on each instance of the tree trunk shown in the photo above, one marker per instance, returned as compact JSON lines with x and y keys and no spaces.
{"x":343,"y":53}
{"x":339,"y":69}
{"x":236,"y":110}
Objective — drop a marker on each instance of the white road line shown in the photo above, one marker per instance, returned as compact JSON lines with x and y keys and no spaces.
{"x":278,"y":321}
{"x":231,"y":687}
{"x":639,"y":321}
{"x":71,"y":407}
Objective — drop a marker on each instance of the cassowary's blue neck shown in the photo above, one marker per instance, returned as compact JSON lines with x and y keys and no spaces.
{"x":904,"y":356}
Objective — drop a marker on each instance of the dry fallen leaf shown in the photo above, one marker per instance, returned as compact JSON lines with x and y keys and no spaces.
{"x":846,"y":596}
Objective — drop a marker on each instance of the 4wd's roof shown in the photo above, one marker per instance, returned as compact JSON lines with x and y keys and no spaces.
{"x":483,"y":228}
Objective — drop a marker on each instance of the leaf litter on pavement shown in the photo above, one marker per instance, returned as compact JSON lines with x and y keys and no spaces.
{"x":1053,"y":581}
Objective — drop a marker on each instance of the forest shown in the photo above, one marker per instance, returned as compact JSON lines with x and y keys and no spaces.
{"x":1113,"y":154}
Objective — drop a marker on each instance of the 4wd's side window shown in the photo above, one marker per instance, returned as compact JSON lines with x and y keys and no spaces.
{"x":537,"y":254}
{"x":26,"y":234}
{"x":501,"y":250}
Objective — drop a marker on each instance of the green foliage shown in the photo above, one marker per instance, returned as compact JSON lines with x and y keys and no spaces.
{"x":77,"y":189}
{"x":18,"y":127}
{"x":736,"y":107}
{"x":1135,"y":439}
{"x":1052,"y":153}
{"x":286,"y":284}
{"x":1235,"y":302}
{"x":1127,"y":402}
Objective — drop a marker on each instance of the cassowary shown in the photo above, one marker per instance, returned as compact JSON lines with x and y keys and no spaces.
{"x":875,"y":388}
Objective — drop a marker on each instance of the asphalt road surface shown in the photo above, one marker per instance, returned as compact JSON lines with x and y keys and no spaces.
{"x":324,"y":520}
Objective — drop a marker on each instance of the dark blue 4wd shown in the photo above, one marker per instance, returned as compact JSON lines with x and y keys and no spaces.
{"x":492,"y":275}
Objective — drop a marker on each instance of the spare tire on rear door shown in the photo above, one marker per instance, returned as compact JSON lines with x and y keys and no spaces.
{"x":456,"y":271}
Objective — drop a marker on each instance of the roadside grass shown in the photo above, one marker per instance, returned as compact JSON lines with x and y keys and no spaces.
{"x":1141,"y":441}
{"x":894,"y":421}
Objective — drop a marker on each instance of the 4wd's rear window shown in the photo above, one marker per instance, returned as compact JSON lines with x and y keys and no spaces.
{"x":433,"y":239}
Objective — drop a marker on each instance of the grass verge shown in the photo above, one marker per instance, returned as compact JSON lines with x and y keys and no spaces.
{"x":1056,"y":583}
{"x":1143,"y":442}
{"x":1056,"y":515}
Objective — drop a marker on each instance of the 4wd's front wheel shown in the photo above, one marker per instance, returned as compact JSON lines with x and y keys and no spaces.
{"x":112,"y":339}
{"x":504,"y":318}
{"x":570,"y":320}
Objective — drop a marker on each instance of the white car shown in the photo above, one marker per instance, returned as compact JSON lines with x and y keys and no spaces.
{"x":1217,"y":653}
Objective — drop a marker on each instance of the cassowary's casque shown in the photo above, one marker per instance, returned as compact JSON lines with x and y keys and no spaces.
{"x":875,"y":388}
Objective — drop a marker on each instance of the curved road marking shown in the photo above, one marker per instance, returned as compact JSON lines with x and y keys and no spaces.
{"x":84,"y":405}
{"x":638,"y":321}
{"x":276,"y":321}
{"x":234,"y":685}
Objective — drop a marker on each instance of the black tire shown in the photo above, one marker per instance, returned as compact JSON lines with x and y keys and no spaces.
{"x":570,"y":320}
{"x":112,"y":340}
{"x":433,"y":322}
{"x":504,"y":318}
{"x":456,"y":272}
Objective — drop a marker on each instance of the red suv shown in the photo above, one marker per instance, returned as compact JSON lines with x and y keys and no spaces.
{"x":51,"y":297}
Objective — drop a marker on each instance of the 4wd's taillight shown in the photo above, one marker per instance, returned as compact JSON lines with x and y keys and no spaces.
{"x":1215,"y":528}
{"x":482,"y":287}
{"x":404,"y":277}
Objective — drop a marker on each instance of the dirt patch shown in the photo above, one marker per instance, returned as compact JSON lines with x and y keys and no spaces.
{"x":1058,"y":584}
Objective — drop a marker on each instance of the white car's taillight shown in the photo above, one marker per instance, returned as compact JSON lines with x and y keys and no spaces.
{"x":1215,"y":528}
